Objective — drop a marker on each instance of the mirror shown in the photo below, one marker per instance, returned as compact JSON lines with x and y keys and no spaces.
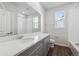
{"x":18,"y":18}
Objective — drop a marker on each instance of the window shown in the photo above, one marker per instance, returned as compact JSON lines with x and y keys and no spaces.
{"x":35,"y":22}
{"x":59,"y":19}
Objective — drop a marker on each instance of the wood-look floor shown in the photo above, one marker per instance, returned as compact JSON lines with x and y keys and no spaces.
{"x":60,"y":51}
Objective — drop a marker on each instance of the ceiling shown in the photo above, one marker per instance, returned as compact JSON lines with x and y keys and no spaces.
{"x":48,"y":5}
{"x":21,"y":7}
{"x":25,"y":8}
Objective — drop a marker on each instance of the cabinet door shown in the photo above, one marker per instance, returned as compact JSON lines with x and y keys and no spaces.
{"x":38,"y":51}
{"x":46,"y":45}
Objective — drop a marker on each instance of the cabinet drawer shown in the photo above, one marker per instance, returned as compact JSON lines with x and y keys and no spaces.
{"x":30,"y":50}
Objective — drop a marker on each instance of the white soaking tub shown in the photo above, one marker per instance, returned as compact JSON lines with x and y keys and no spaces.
{"x":74,"y":45}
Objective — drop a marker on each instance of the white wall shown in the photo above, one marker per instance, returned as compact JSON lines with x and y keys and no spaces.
{"x":14,"y":22}
{"x":21,"y":23}
{"x":73,"y":23}
{"x":59,"y":34}
{"x":37,"y":6}
{"x":28,"y":24}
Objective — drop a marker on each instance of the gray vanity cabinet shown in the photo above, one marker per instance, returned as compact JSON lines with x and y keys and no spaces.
{"x":39,"y":49}
{"x":46,"y":45}
{"x":35,"y":50}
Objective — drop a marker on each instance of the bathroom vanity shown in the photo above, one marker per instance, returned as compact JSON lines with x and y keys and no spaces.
{"x":32,"y":44}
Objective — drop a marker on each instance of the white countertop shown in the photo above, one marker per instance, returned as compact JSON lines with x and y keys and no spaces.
{"x":12,"y":47}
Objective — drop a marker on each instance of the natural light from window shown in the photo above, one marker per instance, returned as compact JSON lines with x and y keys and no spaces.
{"x":35,"y":22}
{"x":59,"y":19}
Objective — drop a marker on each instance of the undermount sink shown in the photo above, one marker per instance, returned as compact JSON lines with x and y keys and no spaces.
{"x":18,"y":36}
{"x":24,"y":40}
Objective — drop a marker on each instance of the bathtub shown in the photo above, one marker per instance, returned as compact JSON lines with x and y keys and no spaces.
{"x":74,"y":46}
